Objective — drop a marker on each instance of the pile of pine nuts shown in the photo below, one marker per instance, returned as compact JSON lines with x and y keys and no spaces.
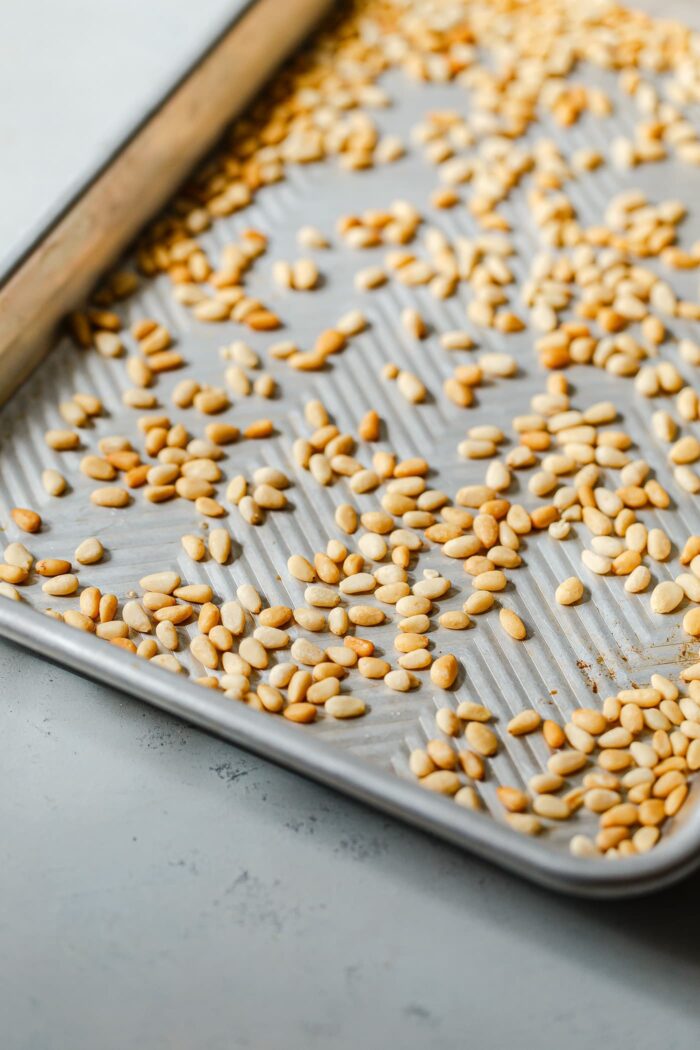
{"x":593,"y":296}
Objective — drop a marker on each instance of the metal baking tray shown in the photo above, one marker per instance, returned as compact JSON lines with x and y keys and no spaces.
{"x":605,"y":644}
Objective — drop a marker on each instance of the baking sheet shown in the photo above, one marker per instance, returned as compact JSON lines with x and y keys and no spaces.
{"x":574,"y":656}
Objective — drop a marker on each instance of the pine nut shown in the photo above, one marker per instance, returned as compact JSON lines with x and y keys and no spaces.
{"x":373,"y":667}
{"x":62,"y":440}
{"x":275,"y":616}
{"x":481,"y":738}
{"x":524,"y":722}
{"x":79,"y":620}
{"x":524,"y":823}
{"x":176,"y":614}
{"x":545,"y":783}
{"x":300,"y":712}
{"x":569,"y":591}
{"x":110,"y":496}
{"x":17,"y":554}
{"x":254,"y":653}
{"x":305,"y":652}
{"x":472,"y":712}
{"x":454,"y":620}
{"x":53,"y":482}
{"x":320,"y":691}
{"x":14,"y":574}
{"x":400,"y":680}
{"x":411,"y":387}
{"x":564,"y":763}
{"x":345,"y":707}
{"x":365,"y":615}
{"x":203,"y":651}
{"x":638,"y":580}
{"x":666,"y":597}
{"x":26,"y":520}
{"x":272,"y":637}
{"x":51,"y":567}
{"x":444,"y":671}
{"x":108,"y":607}
{"x":598,"y":800}
{"x":596,"y":563}
{"x":512,"y":624}
{"x":310,"y":619}
{"x":249,"y":598}
{"x":442,"y":781}
{"x":551,"y":806}
{"x":221,"y":638}
{"x":61,"y":586}
{"x":420,"y":763}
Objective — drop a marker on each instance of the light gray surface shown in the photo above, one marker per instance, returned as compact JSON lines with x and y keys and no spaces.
{"x":73,"y":76}
{"x":164,"y":890}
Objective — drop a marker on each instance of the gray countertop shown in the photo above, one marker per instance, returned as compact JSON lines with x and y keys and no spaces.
{"x":163,"y":889}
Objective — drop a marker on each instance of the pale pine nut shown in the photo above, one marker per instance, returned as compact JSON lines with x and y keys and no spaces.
{"x":638,"y":580}
{"x":481,"y":738}
{"x":442,"y":781}
{"x":411,"y":387}
{"x":110,"y":496}
{"x":220,"y":545}
{"x":400,"y":680}
{"x":524,"y":722}
{"x":524,"y":823}
{"x":53,"y":482}
{"x":569,"y":591}
{"x":136,"y":617}
{"x":162,"y":582}
{"x":666,"y":597}
{"x":551,"y":806}
{"x":61,"y":586}
{"x":18,"y":555}
{"x":195,"y":546}
{"x":444,"y":671}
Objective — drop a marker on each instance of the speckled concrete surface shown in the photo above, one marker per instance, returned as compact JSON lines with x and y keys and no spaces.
{"x":165,"y":890}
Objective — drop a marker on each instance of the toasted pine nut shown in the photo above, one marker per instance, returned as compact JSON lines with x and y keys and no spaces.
{"x":52,"y":567}
{"x":512,"y":624}
{"x":25,"y":519}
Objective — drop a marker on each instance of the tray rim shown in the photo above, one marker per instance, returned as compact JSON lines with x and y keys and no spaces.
{"x":297,"y":749}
